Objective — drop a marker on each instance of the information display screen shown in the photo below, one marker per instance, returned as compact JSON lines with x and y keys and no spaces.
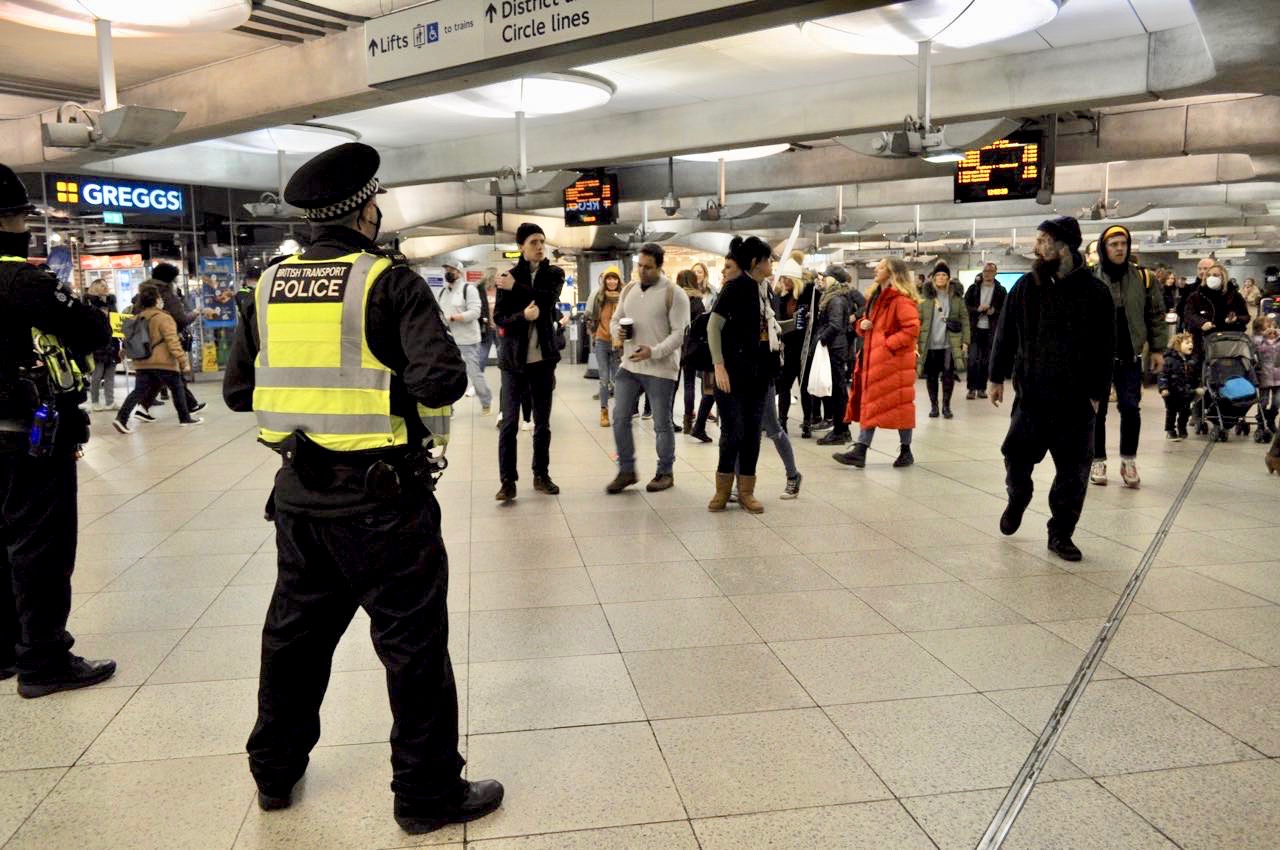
{"x":1007,"y":169}
{"x":592,"y":200}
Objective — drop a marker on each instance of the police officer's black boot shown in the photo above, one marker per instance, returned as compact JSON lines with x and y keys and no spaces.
{"x":76,"y":672}
{"x":478,"y":799}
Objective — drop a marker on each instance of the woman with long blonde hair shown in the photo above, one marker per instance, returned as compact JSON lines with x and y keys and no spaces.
{"x":883,"y":392}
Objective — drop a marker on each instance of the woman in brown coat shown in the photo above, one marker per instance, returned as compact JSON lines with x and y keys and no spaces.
{"x":163,"y":367}
{"x":883,"y":394}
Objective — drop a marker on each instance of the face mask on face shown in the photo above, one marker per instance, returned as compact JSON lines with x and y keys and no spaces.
{"x":1213,"y":282}
{"x":377,"y":223}
{"x":451,"y":276}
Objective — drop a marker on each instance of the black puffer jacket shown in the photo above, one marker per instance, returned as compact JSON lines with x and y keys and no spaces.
{"x":835,"y":306}
{"x":1179,"y":375}
{"x":1225,"y":307}
{"x":542,"y":288}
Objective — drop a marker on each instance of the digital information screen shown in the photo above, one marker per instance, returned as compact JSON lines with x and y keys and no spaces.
{"x":591,"y":200}
{"x":1010,"y":168}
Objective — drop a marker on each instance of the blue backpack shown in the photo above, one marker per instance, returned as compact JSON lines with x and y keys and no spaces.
{"x":1236,"y":390}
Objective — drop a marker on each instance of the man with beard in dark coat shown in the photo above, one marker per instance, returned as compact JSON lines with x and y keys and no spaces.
{"x":1056,"y":340}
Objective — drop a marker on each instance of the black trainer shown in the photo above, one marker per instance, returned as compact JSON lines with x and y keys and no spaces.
{"x":544,"y":484}
{"x":856,"y":456}
{"x":947,"y":414}
{"x":836,"y":438}
{"x":479,"y":799}
{"x":1011,"y":519}
{"x":76,"y":673}
{"x":271,"y":803}
{"x":197,"y":407}
{"x":621,"y":481}
{"x":507,"y":492}
{"x":1065,"y":549}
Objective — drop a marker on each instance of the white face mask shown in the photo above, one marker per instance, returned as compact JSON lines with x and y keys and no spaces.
{"x":1213,"y":282}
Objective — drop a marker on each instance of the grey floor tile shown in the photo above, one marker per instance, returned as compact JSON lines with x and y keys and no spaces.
{"x":141,"y":610}
{"x":674,"y":623}
{"x":988,"y":560}
{"x":344,"y":800}
{"x":633,"y":549}
{"x":1076,"y":814}
{"x":160,"y":805}
{"x":137,"y":654}
{"x":1046,"y":598}
{"x":866,"y":668}
{"x":735,"y":543}
{"x":654,"y":836}
{"x":941,"y":744}
{"x":20,"y":792}
{"x":224,"y":652}
{"x":1178,"y":589}
{"x":847,"y":537}
{"x":1252,"y":630}
{"x":544,"y":693}
{"x":539,"y":633}
{"x":810,"y":614}
{"x":919,"y":533}
{"x":713,"y":680}
{"x":1257,"y":579}
{"x":859,"y":826}
{"x":521,"y":528}
{"x":540,"y":554}
{"x":651,"y":582}
{"x":1153,"y":645}
{"x":994,"y":658}
{"x":879,"y":568}
{"x":1192,"y":548}
{"x":175,"y":573}
{"x":1245,"y":703}
{"x":950,"y":605}
{"x":200,"y":543}
{"x":179,"y":721}
{"x":747,"y":763}
{"x":54,"y":731}
{"x":1220,"y":807}
{"x":574,"y":779}
{"x":775,"y":573}
{"x":492,"y":591}
{"x":242,"y":605}
{"x":1121,"y":726}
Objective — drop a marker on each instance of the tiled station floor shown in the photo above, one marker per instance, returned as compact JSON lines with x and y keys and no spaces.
{"x":863,"y":668}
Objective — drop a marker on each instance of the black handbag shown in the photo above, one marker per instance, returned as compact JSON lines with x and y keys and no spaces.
{"x":954,"y":326}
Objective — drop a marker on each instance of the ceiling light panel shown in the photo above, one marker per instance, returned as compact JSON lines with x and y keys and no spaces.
{"x":136,"y":18}
{"x":543,"y":94}
{"x":896,"y":30}
{"x":735,"y":155}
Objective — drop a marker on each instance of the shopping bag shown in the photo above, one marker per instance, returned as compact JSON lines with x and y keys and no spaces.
{"x":820,"y":373}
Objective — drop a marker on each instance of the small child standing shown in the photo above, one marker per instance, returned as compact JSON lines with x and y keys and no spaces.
{"x":1266,"y":339}
{"x":1179,"y":385}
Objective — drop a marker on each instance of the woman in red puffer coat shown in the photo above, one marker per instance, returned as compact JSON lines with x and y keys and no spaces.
{"x":883,"y":394}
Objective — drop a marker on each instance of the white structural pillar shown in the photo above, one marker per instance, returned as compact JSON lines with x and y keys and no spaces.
{"x":522,"y":139}
{"x":106,"y":65}
{"x":925,"y":84}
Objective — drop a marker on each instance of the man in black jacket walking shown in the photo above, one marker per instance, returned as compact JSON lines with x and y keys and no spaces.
{"x":1056,"y":339}
{"x":528,"y":351}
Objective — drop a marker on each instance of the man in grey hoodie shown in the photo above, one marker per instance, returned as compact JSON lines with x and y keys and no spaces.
{"x":651,"y":320}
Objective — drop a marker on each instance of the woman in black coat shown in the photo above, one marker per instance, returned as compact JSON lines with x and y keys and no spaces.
{"x":984,"y":306}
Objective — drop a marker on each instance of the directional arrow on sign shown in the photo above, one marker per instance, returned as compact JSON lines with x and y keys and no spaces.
{"x":373,"y":47}
{"x":491,"y":11}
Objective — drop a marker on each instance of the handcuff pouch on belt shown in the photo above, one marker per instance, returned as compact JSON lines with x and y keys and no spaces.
{"x":384,"y":478}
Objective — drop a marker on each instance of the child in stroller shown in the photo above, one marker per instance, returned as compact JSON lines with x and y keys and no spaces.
{"x":1231,"y":383}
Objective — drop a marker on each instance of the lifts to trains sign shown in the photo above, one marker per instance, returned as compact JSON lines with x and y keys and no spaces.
{"x":422,"y":40}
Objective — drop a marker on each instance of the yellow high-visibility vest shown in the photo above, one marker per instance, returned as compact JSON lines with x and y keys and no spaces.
{"x":65,"y":374}
{"x":314,"y":371}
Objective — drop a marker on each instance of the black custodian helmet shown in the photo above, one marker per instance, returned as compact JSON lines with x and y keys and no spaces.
{"x":13,"y":195}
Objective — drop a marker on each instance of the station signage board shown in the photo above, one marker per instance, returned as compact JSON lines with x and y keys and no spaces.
{"x":1012,"y":168}
{"x":435,"y":36}
{"x":591,"y":200}
{"x":86,"y":194}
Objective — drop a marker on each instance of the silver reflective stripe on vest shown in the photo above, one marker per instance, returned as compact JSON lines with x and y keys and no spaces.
{"x":313,"y":378}
{"x":264,"y":286}
{"x":353,"y":313}
{"x":325,"y":423}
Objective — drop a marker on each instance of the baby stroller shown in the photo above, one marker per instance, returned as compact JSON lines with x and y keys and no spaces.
{"x":1230,"y":379}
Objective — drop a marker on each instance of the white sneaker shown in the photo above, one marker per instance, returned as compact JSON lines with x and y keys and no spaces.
{"x":1129,"y":474}
{"x":471,"y":391}
{"x":194,"y":421}
{"x":526,"y":426}
{"x":122,"y":427}
{"x":1098,"y":473}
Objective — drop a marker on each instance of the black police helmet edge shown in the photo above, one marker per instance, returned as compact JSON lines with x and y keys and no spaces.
{"x":13,"y":195}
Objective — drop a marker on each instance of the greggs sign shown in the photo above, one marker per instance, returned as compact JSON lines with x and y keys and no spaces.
{"x":89,"y":194}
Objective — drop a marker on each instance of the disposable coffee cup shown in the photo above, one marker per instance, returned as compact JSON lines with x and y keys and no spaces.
{"x":628,"y":327}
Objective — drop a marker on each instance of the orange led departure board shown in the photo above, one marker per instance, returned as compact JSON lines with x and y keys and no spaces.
{"x":592,"y":199}
{"x":1006,"y":169}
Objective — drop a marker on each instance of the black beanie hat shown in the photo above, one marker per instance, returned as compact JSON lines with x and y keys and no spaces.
{"x":941,"y":267}
{"x":524,"y":231}
{"x":165,"y":272}
{"x":1065,"y":229}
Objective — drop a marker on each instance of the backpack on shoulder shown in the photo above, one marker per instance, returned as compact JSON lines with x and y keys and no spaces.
{"x":137,"y":337}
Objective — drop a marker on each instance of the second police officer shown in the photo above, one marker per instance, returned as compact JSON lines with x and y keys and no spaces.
{"x":342,"y":348}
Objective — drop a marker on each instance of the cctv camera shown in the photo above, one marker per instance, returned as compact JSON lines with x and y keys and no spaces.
{"x":670,"y":204}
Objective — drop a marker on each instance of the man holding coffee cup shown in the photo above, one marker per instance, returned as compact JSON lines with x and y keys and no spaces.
{"x":650,"y":321}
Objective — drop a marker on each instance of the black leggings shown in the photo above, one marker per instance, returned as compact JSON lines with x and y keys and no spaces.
{"x":1177,"y":409}
{"x":939,"y":363}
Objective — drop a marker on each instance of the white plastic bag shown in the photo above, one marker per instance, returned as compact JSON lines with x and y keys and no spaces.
{"x":820,"y":373}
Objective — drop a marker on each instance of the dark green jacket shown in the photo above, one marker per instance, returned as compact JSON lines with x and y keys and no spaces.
{"x":1144,"y":308}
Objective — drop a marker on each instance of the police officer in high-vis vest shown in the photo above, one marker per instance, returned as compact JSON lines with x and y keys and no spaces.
{"x":47,"y":338}
{"x":345,"y":359}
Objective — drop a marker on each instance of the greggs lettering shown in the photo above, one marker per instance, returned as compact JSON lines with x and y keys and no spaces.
{"x":310,"y":284}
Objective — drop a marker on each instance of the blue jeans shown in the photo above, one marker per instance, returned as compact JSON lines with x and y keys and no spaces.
{"x":475,"y":371}
{"x":627,"y":388}
{"x":772,"y":427}
{"x":866,"y":435}
{"x":607,"y":359}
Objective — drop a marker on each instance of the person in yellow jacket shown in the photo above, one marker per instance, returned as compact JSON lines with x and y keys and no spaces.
{"x":346,"y":361}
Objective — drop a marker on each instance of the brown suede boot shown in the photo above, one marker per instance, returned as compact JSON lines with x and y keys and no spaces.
{"x":747,"y":494}
{"x":724,"y":484}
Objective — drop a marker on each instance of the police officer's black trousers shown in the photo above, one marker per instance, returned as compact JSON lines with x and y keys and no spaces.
{"x":392,"y":564}
{"x":37,"y":553}
{"x":1064,"y":431}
